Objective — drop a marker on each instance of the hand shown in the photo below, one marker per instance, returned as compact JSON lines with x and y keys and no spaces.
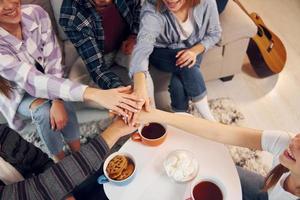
{"x":58,"y":115}
{"x":144,"y":117}
{"x":186,"y":57}
{"x":116,"y":130}
{"x":141,"y":94}
{"x":128,"y":45}
{"x":117,"y":100}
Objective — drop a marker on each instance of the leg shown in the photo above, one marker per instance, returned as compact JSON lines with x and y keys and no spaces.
{"x":165,"y":60}
{"x":252,"y":184}
{"x":71,"y":132}
{"x":38,"y":110}
{"x":179,"y":99}
{"x":195,"y":88}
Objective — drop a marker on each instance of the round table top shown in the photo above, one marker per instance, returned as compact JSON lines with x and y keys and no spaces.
{"x":151,"y":182}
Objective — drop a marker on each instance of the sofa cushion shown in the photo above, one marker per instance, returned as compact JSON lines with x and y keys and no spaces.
{"x":235,"y":24}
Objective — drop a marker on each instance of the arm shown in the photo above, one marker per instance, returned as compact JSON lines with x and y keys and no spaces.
{"x":37,"y":84}
{"x":213,"y":32}
{"x":89,"y":49}
{"x":238,"y":136}
{"x":24,"y":156}
{"x":151,"y":26}
{"x":59,"y":180}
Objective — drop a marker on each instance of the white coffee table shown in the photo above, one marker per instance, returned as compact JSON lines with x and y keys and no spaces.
{"x":152,"y":183}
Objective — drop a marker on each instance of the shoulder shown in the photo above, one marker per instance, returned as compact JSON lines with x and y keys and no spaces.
{"x":34,"y":11}
{"x":207,"y":4}
{"x":149,"y":9}
{"x":149,"y":6}
{"x":70,"y":6}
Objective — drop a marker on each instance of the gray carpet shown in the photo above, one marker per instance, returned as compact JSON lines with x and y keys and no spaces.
{"x":224,"y":110}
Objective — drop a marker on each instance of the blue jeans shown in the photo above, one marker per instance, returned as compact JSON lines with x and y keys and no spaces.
{"x":41,"y":118}
{"x":252,"y":184}
{"x":185,"y":84}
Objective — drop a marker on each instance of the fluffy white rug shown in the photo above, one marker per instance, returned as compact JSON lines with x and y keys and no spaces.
{"x":224,"y":110}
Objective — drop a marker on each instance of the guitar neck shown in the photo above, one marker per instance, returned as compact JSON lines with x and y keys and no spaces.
{"x":241,"y":6}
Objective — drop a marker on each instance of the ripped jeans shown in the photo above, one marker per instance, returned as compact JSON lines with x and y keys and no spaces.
{"x":54,"y":140}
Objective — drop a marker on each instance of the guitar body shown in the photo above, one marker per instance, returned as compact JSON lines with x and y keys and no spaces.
{"x":266,"y":52}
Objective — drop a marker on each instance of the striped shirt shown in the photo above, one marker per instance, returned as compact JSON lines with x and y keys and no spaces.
{"x":18,"y":57}
{"x":160,"y":29}
{"x":58,"y":180}
{"x":83,"y":26}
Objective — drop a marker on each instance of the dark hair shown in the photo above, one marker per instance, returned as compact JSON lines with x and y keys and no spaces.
{"x":192,"y":3}
{"x":5,"y":87}
{"x":274,"y":176}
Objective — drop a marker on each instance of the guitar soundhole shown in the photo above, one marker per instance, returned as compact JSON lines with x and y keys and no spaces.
{"x":263,"y":31}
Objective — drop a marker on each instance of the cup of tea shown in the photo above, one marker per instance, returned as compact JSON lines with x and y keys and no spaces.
{"x":152,"y":135}
{"x":207,"y":189}
{"x":119,"y":169}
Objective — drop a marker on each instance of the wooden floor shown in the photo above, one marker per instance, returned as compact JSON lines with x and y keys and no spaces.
{"x":273,"y":102}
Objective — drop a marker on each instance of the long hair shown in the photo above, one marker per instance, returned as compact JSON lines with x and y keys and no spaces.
{"x":5,"y":87}
{"x":274,"y":176}
{"x":192,"y":3}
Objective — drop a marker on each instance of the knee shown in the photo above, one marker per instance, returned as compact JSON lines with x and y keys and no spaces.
{"x":40,"y":110}
{"x":36,"y":103}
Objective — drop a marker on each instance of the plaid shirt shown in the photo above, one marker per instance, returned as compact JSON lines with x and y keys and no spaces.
{"x":17,"y":65}
{"x":82,"y":24}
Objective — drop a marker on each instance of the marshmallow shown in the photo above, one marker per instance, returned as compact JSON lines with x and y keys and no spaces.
{"x":180,"y":166}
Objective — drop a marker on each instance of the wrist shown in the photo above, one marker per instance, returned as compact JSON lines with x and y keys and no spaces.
{"x":139,"y":82}
{"x":198,"y":49}
{"x":89,"y":93}
{"x":111,"y":135}
{"x":57,"y":101}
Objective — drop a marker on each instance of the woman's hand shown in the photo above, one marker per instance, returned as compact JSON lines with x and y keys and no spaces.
{"x":58,"y":115}
{"x":188,"y":57}
{"x":116,"y":130}
{"x":116,"y":100}
{"x":140,"y":90}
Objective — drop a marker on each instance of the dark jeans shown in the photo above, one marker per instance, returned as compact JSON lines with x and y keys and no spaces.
{"x":252,"y":184}
{"x":185,"y":84}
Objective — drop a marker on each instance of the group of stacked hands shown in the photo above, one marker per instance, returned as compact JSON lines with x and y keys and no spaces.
{"x":26,"y":89}
{"x":171,"y":35}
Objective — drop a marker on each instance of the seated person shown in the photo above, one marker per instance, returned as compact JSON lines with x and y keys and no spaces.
{"x":31,"y":83}
{"x":30,"y":174}
{"x":173,"y":38}
{"x":282,"y":182}
{"x":98,"y":28}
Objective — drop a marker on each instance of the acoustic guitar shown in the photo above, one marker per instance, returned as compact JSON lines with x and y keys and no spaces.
{"x":266,"y":51}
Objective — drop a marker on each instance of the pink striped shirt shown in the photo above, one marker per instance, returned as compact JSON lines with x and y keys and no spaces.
{"x":17,"y":59}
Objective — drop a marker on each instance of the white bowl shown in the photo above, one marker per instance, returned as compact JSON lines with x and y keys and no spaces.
{"x":181,"y":165}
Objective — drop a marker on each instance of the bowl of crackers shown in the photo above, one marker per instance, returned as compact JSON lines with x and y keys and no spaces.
{"x":119,"y":168}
